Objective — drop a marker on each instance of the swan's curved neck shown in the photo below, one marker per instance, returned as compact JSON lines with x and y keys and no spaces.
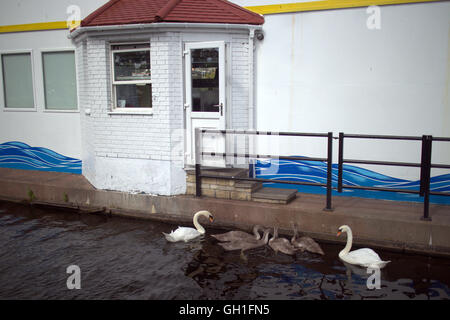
{"x":348,"y":246}
{"x":275,"y":234}
{"x":196,"y":223}
{"x":256,"y":232}
{"x":294,"y":237}
{"x":266,"y":236}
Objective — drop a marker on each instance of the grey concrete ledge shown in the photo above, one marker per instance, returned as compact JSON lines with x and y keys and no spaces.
{"x":385,"y":224}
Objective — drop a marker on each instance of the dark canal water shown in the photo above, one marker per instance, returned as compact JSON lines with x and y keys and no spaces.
{"x":130,"y":259}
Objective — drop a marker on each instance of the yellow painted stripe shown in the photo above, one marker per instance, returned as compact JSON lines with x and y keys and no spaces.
{"x":265,"y":9}
{"x":326,"y":5}
{"x":37,"y":26}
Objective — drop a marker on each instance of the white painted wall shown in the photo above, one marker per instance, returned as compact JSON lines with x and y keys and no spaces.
{"x":33,"y":11}
{"x":58,"y":131}
{"x":132,"y":152}
{"x":326,"y":71}
{"x":316,"y":72}
{"x":120,"y":152}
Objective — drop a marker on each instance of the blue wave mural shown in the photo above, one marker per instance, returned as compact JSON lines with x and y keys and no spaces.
{"x":314,"y":171}
{"x":19,"y":155}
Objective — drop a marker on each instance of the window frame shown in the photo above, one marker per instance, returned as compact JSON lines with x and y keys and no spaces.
{"x":41,"y":56}
{"x":114,"y":108}
{"x":33,"y":82}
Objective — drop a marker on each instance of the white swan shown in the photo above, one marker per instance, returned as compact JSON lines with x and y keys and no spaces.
{"x":364,"y":257}
{"x":237,"y":235}
{"x":186,"y":233}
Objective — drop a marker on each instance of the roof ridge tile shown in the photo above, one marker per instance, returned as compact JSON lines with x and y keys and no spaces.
{"x":164,"y":11}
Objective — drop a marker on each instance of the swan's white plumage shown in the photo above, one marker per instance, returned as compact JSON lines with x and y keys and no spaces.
{"x":364,"y":257}
{"x":186,"y":233}
{"x":182,"y":234}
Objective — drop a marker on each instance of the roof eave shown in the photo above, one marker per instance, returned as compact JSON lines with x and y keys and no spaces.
{"x":166,"y":25}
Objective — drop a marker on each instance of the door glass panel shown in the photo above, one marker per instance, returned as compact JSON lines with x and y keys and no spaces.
{"x":205,"y":79}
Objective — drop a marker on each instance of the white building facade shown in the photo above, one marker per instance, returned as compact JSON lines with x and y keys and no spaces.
{"x":383,"y":70}
{"x":145,"y":150}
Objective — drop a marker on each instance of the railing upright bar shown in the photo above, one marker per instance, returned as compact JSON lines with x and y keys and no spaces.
{"x":426,"y":179}
{"x":340,"y":161}
{"x":329,"y":170}
{"x":422,"y":165}
{"x":198,"y":152}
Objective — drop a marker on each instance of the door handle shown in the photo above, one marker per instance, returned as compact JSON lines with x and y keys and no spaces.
{"x":220,"y":107}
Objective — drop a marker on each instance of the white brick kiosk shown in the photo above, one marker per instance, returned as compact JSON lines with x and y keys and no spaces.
{"x":148,"y":78}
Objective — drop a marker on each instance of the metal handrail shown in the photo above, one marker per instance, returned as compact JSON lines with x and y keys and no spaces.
{"x":265,"y":133}
{"x":425,"y":166}
{"x":199,"y":153}
{"x":260,"y":156}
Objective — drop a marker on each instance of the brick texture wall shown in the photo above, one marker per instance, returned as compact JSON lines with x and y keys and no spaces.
{"x":155,"y":137}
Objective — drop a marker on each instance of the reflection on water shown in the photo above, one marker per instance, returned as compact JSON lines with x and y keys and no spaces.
{"x":130,"y":259}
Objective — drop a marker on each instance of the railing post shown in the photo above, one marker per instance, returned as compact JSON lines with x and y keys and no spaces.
{"x":329,"y":171}
{"x":422,"y":165}
{"x":251,"y":169}
{"x":198,"y":154}
{"x":426,"y":176}
{"x":340,"y":161}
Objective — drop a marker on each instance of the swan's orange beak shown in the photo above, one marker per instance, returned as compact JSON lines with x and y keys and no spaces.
{"x":339,"y":233}
{"x":211,"y":218}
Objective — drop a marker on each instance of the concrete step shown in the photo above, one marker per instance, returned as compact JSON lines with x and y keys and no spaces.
{"x":274,"y":195}
{"x":251,"y":186}
{"x":223,"y":172}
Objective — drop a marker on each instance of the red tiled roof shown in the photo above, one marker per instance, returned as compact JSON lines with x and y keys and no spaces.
{"x":117,"y":12}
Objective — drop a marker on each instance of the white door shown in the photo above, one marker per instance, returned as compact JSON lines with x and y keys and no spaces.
{"x":205,"y":98}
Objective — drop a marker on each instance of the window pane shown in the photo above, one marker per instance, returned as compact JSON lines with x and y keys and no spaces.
{"x":134,"y":96}
{"x":205,"y":80}
{"x":17,"y":80}
{"x":60,"y":80}
{"x":133,"y":65}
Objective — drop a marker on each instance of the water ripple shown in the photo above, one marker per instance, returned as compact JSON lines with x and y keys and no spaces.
{"x":130,"y":259}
